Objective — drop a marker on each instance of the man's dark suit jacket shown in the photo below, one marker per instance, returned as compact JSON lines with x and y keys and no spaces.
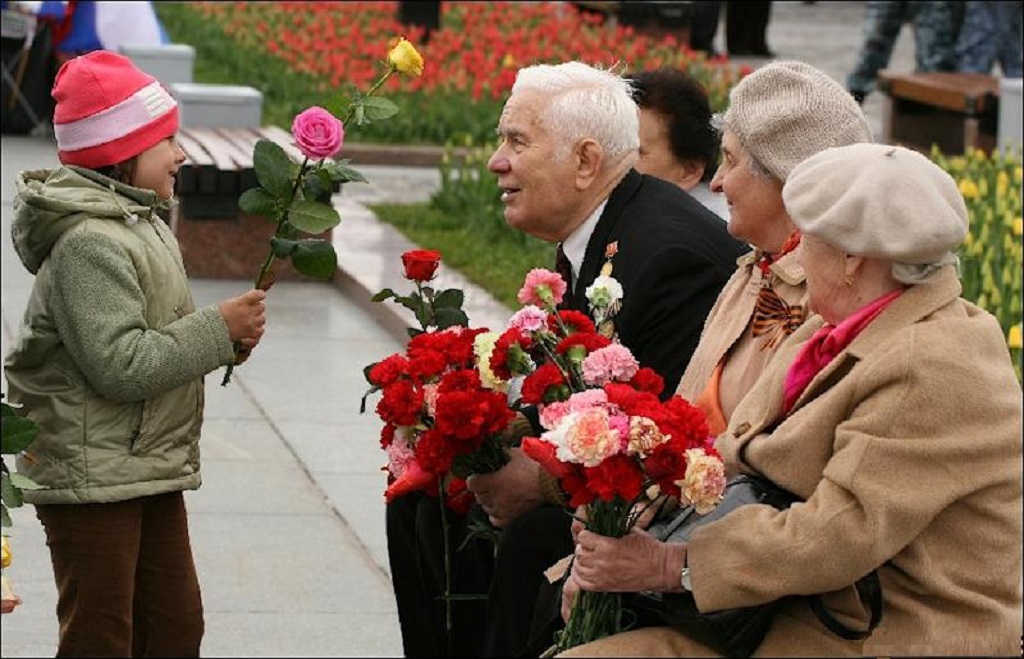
{"x":674,"y":256}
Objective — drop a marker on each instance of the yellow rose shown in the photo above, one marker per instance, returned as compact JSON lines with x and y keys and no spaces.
{"x":6,"y":547}
{"x":1013,"y":338}
{"x":404,"y":58}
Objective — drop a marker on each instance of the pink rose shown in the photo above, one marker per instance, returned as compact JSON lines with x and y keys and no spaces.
{"x":317,"y":133}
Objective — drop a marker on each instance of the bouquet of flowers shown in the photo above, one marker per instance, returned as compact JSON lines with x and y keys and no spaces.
{"x":613,"y":445}
{"x":442,"y":420}
{"x":295,"y":196}
{"x":16,"y":433}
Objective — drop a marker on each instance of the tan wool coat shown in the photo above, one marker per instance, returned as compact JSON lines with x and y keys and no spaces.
{"x":907,"y":452}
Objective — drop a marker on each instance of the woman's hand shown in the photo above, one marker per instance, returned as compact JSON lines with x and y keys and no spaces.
{"x":633,"y":563}
{"x":569,"y":590}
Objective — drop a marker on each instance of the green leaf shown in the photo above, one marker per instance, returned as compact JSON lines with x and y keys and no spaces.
{"x":16,"y":433}
{"x":257,"y":201}
{"x":315,"y":258}
{"x":340,"y":172}
{"x":449,"y":317}
{"x":451,"y":298}
{"x":5,"y":519}
{"x":316,"y":187}
{"x":24,"y":482}
{"x":11,"y":495}
{"x":377,"y":108}
{"x":273,"y":168}
{"x":313,"y":217}
{"x":283,"y":248}
{"x":384,"y":294}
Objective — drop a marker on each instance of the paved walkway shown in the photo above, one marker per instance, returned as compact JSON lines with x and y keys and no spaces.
{"x":288,"y":527}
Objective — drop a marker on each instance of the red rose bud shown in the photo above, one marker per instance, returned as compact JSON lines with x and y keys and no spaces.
{"x":421,"y":264}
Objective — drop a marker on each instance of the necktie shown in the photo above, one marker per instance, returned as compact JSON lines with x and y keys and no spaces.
{"x":564,"y":268}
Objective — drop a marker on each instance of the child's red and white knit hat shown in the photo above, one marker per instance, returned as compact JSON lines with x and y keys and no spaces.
{"x":108,"y":111}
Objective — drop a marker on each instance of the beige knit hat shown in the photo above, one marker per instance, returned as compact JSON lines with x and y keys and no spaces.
{"x":786,"y":111}
{"x":879,"y":201}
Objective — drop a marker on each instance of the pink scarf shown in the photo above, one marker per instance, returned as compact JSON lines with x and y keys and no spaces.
{"x":825,"y":344}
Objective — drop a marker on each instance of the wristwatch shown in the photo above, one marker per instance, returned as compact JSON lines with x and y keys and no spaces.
{"x":684,"y":578}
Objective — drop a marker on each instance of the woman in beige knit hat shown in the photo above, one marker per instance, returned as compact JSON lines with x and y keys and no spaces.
{"x":893,"y":414}
{"x":777,"y":116}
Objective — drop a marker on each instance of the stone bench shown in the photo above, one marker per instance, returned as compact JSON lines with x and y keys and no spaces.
{"x":232,"y":106}
{"x":217,"y":240}
{"x":955,"y":111}
{"x":168,"y":63}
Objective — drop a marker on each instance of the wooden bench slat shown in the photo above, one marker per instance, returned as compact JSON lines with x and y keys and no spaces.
{"x":196,"y":154}
{"x":284,"y":139}
{"x":242,"y":139}
{"x":215,"y":145}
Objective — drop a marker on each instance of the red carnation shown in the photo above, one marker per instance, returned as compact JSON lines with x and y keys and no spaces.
{"x":536,"y":384}
{"x":589,"y":341}
{"x":575,"y":321}
{"x":401,"y":403}
{"x":648,"y":381}
{"x":388,"y":370}
{"x":616,"y":475}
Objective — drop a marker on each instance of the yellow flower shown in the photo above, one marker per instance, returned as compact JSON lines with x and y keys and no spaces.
{"x":483,"y":347}
{"x":968,"y":189}
{"x":508,"y":62}
{"x":1018,"y":226}
{"x":1002,"y":182}
{"x":1013,"y":339}
{"x":404,"y":58}
{"x":6,"y":558}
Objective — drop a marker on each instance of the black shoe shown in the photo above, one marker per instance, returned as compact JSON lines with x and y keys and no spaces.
{"x":858,"y":96}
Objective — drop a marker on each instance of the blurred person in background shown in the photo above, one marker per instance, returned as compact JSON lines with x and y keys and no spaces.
{"x":991,"y":34}
{"x":677,"y":140}
{"x":936,"y":26}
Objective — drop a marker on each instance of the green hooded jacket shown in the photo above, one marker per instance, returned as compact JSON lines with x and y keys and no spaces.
{"x":111,"y":353}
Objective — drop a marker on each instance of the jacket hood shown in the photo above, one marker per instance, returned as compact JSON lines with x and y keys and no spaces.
{"x":47,"y":203}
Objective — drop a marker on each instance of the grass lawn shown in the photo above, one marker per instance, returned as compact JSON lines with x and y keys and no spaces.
{"x":496,"y":258}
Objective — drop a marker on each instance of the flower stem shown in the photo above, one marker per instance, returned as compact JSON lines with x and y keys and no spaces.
{"x":352,"y":107}
{"x":267,"y":262}
{"x":447,"y":568}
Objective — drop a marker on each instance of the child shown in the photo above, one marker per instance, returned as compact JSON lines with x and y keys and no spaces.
{"x":110,"y":362}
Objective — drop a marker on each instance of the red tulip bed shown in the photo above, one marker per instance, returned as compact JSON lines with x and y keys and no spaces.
{"x":306,"y":53}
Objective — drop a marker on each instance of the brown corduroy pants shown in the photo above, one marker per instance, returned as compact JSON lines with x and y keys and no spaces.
{"x":126,"y":581}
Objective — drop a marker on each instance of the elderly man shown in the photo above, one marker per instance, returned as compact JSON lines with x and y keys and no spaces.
{"x":569,"y":141}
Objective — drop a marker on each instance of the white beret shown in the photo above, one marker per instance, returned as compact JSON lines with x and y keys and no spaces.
{"x":879,"y":201}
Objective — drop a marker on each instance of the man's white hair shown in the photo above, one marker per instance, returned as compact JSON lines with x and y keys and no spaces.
{"x":585,"y":102}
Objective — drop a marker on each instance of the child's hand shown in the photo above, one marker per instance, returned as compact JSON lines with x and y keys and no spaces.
{"x":245,"y":316}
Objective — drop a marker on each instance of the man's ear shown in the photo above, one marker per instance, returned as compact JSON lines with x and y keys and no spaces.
{"x":588,"y":157}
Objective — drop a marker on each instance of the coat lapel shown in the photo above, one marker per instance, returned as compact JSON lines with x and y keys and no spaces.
{"x":606,"y":231}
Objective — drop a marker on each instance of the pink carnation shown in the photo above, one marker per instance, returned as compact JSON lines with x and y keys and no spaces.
{"x":317,"y":133}
{"x":551,"y":415}
{"x":613,"y":363}
{"x":704,"y":482}
{"x":529,"y":319}
{"x":542,"y":288}
{"x":400,"y":454}
{"x":590,"y":439}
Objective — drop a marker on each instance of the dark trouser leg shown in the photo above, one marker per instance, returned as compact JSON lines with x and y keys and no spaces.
{"x":704,"y":25}
{"x":415,"y":617}
{"x":530,"y":545}
{"x":168,"y":610}
{"x":97,"y":553}
{"x":416,"y":554}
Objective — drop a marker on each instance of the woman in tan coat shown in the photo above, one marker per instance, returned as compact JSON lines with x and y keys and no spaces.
{"x":894,"y":414}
